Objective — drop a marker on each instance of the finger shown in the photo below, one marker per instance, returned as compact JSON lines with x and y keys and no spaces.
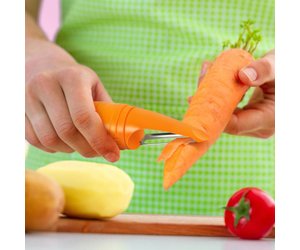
{"x":242,"y":122}
{"x":32,"y":138}
{"x":257,"y":96}
{"x":259,"y":133}
{"x":260,"y":71}
{"x":57,"y":110}
{"x":204,"y":69}
{"x":100,"y":93}
{"x":43,"y":128}
{"x":88,"y":122}
{"x":245,"y":122}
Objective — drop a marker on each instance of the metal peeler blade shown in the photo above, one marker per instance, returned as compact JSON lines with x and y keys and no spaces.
{"x":157,"y":136}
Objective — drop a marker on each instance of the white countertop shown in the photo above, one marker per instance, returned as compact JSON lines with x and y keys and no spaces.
{"x":77,"y":241}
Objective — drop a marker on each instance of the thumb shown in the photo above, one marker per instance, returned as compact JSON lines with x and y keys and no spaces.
{"x":260,"y":71}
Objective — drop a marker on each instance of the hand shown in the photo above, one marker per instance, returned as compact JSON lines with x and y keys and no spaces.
{"x":257,"y":118}
{"x":60,"y":113}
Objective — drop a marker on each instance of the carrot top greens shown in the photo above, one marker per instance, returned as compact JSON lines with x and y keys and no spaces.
{"x":248,"y":39}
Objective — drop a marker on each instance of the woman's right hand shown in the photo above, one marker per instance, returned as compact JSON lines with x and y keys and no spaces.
{"x":60,"y":113}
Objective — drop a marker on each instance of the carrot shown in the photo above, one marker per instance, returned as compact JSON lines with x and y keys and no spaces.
{"x":212,"y":105}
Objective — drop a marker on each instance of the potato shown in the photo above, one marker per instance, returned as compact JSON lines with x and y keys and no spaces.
{"x":92,"y":190}
{"x":44,"y":201}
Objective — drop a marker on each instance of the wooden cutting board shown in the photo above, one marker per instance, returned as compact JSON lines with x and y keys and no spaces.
{"x":149,"y":224}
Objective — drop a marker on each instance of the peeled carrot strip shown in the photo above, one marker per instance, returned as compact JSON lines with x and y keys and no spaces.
{"x":171,"y":148}
{"x":184,"y":155}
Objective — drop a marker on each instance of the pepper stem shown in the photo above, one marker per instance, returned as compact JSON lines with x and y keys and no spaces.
{"x":241,"y":210}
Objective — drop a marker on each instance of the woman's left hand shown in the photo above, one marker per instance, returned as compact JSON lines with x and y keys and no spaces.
{"x":257,"y":118}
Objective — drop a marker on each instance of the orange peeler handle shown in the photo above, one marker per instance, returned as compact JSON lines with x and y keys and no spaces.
{"x":126,"y":124}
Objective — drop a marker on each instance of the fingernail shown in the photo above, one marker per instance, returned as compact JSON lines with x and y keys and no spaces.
{"x":112,"y":157}
{"x":204,"y":68}
{"x":250,"y":73}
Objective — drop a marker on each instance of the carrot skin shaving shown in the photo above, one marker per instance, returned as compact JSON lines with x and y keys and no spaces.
{"x":185,"y":154}
{"x":171,"y":147}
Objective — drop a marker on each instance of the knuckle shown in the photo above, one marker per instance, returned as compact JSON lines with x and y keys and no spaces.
{"x":34,"y":141}
{"x":42,"y":77}
{"x":72,"y":71}
{"x":70,"y":76}
{"x":82,"y":119}
{"x":40,"y":80}
{"x":66,"y":129}
{"x":87,"y":71}
{"x":89,"y":154}
{"x":49,"y":140}
{"x":77,"y":75}
{"x":99,"y":146}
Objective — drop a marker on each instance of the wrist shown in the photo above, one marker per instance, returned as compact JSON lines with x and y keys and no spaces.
{"x":40,"y":48}
{"x":42,"y":55}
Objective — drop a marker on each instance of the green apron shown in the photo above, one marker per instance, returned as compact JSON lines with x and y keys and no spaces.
{"x":149,"y":54}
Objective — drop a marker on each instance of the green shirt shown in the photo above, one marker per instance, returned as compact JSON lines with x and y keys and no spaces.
{"x":149,"y":53}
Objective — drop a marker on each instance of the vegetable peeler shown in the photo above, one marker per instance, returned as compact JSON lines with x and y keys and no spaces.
{"x":126,"y":124}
